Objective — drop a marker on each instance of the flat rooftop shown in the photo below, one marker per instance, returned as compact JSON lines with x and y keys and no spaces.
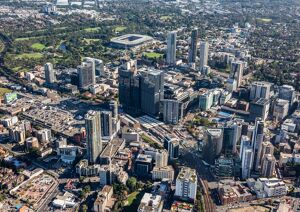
{"x":112,"y":148}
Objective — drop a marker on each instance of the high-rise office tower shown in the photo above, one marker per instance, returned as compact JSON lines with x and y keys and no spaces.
{"x":246,"y":156}
{"x":259,"y":108}
{"x":193,"y":46}
{"x":86,"y":74}
{"x":172,"y":145}
{"x":113,"y":105}
{"x":129,"y":90}
{"x":98,"y":65}
{"x":171,"y":111}
{"x":213,"y":141}
{"x":231,"y":135}
{"x":49,"y":73}
{"x":161,"y":158}
{"x":206,"y":100}
{"x":257,"y":140}
{"x":152,"y":91}
{"x":260,"y":89}
{"x":93,"y":135}
{"x":267,"y":148}
{"x":287,"y":92}
{"x":171,"y":48}
{"x":280,"y":109}
{"x":106,"y":124}
{"x":237,"y":68}
{"x":204,"y":46}
{"x":268,"y":166}
{"x":186,"y":184}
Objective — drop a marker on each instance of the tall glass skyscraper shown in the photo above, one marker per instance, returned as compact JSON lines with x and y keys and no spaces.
{"x":93,"y":135}
{"x":203,"y":54}
{"x":171,"y":48}
{"x":193,"y":46}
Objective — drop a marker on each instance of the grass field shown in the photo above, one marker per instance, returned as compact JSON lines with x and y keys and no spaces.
{"x":38,"y":46}
{"x":133,"y":201}
{"x":89,"y":41}
{"x":120,"y":28}
{"x":29,"y":56}
{"x":1,"y":46}
{"x":91,"y":29}
{"x":4,"y":91}
{"x":165,"y":17}
{"x":264,"y":20}
{"x":28,"y":38}
{"x":152,"y":55}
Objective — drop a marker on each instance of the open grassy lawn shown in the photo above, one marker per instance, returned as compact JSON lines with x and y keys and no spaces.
{"x":28,"y":38}
{"x":152,"y":55}
{"x":19,"y":69}
{"x":165,"y":17}
{"x":91,"y":29}
{"x":133,"y":201}
{"x":120,"y":28}
{"x":89,"y":41}
{"x":29,"y":56}
{"x":38,"y":46}
{"x":4,"y":91}
{"x":1,"y":46}
{"x":264,"y":20}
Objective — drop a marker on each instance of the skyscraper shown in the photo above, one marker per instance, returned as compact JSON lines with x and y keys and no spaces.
{"x":93,"y":135}
{"x":206,"y":100}
{"x":267,"y":148}
{"x":231,"y":136}
{"x":152,"y":91}
{"x":129,"y":89}
{"x":237,"y":68}
{"x":259,"y":108}
{"x":86,"y":74}
{"x":257,"y":140}
{"x":172,"y":145}
{"x":204,"y":46}
{"x":193,"y":46}
{"x":106,"y":124}
{"x":171,"y":111}
{"x":49,"y":73}
{"x":213,"y":141}
{"x":287,"y":92}
{"x":113,"y":105}
{"x":268,"y":166}
{"x":171,"y":48}
{"x":280,"y":109}
{"x":260,"y":89}
{"x":141,"y":91}
{"x":161,"y":158}
{"x":99,"y":65}
{"x":246,"y":156}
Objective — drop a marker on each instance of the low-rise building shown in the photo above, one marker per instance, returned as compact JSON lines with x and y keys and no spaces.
{"x":104,"y":201}
{"x":151,"y":203}
{"x":269,"y":187}
{"x":159,"y":173}
{"x":231,"y":192}
{"x":178,"y":206}
{"x":84,"y":169}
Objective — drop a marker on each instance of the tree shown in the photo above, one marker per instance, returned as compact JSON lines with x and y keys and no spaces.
{"x":84,"y":208}
{"x":87,"y":189}
{"x":81,"y":179}
{"x":131,"y":183}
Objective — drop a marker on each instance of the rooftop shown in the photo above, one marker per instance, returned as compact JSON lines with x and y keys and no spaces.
{"x":187,"y":174}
